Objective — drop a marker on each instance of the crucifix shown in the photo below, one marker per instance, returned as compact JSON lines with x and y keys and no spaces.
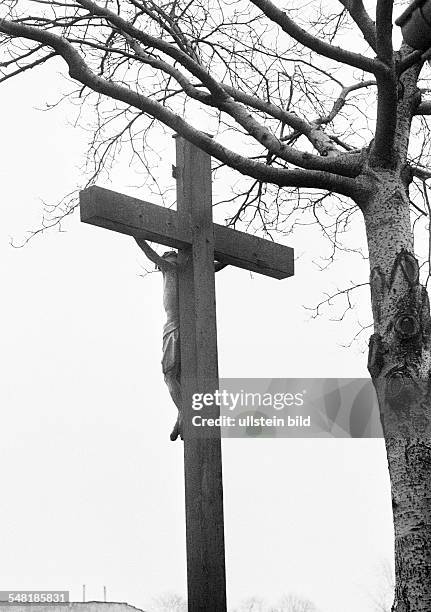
{"x":199,"y":241}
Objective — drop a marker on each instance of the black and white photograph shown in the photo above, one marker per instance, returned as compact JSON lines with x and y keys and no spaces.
{"x":215,"y":324}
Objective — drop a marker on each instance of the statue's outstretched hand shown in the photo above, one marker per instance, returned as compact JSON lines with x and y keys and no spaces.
{"x":153,"y":256}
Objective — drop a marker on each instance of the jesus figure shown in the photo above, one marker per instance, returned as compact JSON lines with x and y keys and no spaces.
{"x":171,"y":359}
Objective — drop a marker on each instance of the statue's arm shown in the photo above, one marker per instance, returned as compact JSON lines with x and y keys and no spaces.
{"x":161,"y":263}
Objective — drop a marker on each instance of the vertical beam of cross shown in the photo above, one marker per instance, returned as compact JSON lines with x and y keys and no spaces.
{"x":206,"y":578}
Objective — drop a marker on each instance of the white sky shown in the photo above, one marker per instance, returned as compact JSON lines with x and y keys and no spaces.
{"x":92,"y":488}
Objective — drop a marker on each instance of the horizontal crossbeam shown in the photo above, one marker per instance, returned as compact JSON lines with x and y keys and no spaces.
{"x":127,"y":215}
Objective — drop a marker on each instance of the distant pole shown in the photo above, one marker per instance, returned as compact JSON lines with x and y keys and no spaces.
{"x":83,"y":592}
{"x":104,"y":594}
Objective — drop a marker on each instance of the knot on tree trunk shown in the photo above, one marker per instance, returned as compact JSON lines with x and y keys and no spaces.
{"x":400,"y":305}
{"x":399,"y":358}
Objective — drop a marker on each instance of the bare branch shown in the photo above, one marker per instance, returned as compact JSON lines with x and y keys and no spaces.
{"x":424,"y":108}
{"x":22,"y":69}
{"x":330,"y":298}
{"x":384,"y":31}
{"x":312,"y":42}
{"x":81,"y":72}
{"x":386,"y":123}
{"x":420,"y":172}
{"x":177,"y":54}
{"x":340,"y":101}
{"x":219,"y":97}
{"x":321,"y":141}
{"x":409,"y":60}
{"x":344,"y":165}
{"x":364,"y":22}
{"x":428,"y":206}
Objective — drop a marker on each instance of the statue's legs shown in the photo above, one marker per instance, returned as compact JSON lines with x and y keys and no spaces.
{"x":173,"y":383}
{"x":171,"y":364}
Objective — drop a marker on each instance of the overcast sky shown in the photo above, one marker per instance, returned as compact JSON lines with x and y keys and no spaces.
{"x":92,"y":488}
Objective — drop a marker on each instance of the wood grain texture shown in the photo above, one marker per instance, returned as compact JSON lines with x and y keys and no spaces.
{"x":127,"y":215}
{"x":206,"y":577}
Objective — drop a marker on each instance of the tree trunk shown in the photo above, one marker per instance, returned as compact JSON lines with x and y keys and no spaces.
{"x":399,"y":363}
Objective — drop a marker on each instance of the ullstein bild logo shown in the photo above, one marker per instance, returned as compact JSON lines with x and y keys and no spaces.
{"x":288,"y":408}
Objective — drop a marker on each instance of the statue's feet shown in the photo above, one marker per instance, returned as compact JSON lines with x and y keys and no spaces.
{"x":174,"y":432}
{"x":177,"y":430}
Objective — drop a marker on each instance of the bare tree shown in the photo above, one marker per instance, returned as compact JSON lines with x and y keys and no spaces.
{"x":316,"y":109}
{"x":252,"y":604}
{"x":293,"y":603}
{"x":288,"y":603}
{"x":169,"y":602}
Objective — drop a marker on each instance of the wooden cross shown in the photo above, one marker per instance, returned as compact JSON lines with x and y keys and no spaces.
{"x":191,"y":230}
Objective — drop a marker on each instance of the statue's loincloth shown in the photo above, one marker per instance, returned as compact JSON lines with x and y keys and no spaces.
{"x":171,"y":360}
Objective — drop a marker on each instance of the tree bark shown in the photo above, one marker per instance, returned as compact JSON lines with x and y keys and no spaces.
{"x":399,"y":364}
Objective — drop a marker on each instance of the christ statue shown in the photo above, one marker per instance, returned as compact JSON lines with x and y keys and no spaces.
{"x":171,"y":359}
